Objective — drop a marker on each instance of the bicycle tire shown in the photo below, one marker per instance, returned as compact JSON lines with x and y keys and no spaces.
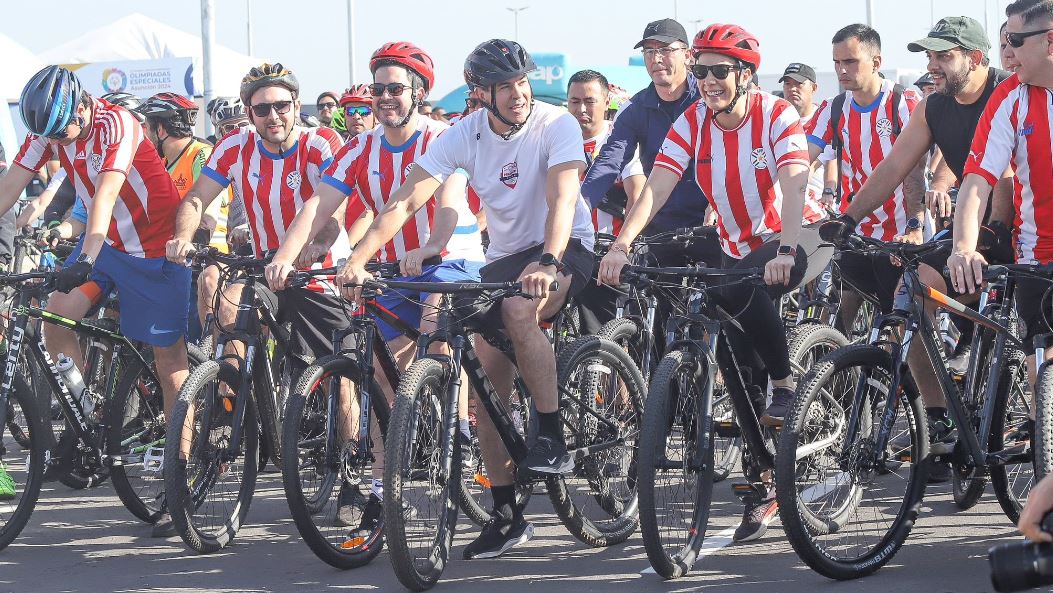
{"x":417,"y":458}
{"x":819,"y":411}
{"x":595,"y":509}
{"x":202,"y":389}
{"x":1043,"y":436}
{"x":1011,"y":414}
{"x":304,"y":438}
{"x":667,"y":407}
{"x":25,"y":465}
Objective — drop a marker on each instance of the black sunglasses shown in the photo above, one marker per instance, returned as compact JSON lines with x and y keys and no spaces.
{"x":63,"y":134}
{"x":720,"y":71}
{"x":279,"y":107}
{"x":1017,"y":39}
{"x":328,"y":105}
{"x":394,"y":89}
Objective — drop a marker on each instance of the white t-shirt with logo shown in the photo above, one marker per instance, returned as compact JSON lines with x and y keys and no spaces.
{"x":510,"y":175}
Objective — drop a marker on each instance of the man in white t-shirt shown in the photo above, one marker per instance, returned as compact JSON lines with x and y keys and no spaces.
{"x":525,"y":160}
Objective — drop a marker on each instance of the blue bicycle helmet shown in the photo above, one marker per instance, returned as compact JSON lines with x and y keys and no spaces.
{"x":49,"y":100}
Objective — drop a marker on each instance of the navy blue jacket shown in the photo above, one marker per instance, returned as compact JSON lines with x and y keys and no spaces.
{"x":644,"y":124}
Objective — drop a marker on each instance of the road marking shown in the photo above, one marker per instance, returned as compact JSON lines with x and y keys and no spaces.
{"x":711,"y":545}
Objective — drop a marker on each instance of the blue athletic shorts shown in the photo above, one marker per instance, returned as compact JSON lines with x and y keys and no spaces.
{"x":404,"y":303}
{"x":153,"y":293}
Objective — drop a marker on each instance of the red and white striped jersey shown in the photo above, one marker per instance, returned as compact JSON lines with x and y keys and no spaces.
{"x":606,"y":222}
{"x":144,"y":213}
{"x":375,"y":169}
{"x":739,"y":169}
{"x":274,"y":187}
{"x":867,"y":136}
{"x":1015,"y":129}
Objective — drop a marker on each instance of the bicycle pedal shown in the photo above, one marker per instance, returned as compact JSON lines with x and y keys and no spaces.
{"x":726,"y":429}
{"x":745,"y":489}
{"x":153,"y":460}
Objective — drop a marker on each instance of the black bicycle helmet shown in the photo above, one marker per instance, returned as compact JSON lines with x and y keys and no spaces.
{"x":49,"y":100}
{"x":178,"y":112}
{"x":128,"y":101}
{"x":496,"y":61}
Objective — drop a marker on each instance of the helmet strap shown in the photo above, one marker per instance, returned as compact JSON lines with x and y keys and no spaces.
{"x":513,"y":128}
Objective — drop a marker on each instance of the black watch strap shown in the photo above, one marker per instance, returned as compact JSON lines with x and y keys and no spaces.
{"x":547,"y":259}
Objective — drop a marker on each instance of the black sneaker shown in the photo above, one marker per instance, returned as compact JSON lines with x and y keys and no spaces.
{"x":759,"y":511}
{"x":942,"y":435}
{"x":349,"y":502}
{"x":959,"y":363}
{"x":164,"y":527}
{"x":781,"y":402}
{"x":370,"y":524}
{"x":549,"y":456}
{"x":499,"y":535}
{"x":939,"y":471}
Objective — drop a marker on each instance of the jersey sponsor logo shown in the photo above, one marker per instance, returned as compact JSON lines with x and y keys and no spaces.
{"x":378,"y":174}
{"x":884,"y":128}
{"x":510,"y":175}
{"x":181,"y":182}
{"x":1028,"y":129}
{"x":96,"y":161}
{"x":292,"y":180}
{"x":405,"y":172}
{"x":80,"y":156}
{"x":759,"y":158}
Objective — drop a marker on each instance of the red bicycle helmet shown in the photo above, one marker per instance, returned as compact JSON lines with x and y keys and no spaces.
{"x":358,"y":93}
{"x":404,"y":53}
{"x":729,"y":40}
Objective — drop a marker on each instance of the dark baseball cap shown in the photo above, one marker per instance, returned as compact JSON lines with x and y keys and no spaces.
{"x":665,"y":31}
{"x":925,"y":80}
{"x":799,"y":72}
{"x":952,"y":32}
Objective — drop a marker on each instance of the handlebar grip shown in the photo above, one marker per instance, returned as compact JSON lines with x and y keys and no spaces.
{"x":432,"y":261}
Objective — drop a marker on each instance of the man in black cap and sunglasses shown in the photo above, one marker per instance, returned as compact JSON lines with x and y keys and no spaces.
{"x":643,"y":125}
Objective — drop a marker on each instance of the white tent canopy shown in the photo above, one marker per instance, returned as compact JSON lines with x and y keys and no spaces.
{"x":138,"y":37}
{"x":19,"y":65}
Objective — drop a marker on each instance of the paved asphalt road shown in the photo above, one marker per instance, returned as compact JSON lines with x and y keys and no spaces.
{"x":84,"y":541}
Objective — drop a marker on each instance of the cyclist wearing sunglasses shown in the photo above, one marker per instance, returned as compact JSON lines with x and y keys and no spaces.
{"x":750,"y":156}
{"x":275,"y":166}
{"x":327,"y":104}
{"x":369,"y":170}
{"x":356,"y":110}
{"x":131,"y":203}
{"x":524,"y":160}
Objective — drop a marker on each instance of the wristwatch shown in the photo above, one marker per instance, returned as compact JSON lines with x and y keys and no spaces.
{"x":828,"y":191}
{"x":913,"y":224}
{"x":84,"y":257}
{"x":547,"y":259}
{"x":789,"y":250}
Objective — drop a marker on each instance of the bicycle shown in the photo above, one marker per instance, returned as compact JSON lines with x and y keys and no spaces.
{"x":320,"y":461}
{"x":836,"y":446}
{"x":422,"y":454}
{"x":681,"y":422}
{"x":225,"y":407}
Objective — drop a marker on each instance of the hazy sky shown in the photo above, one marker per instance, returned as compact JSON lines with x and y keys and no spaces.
{"x":314,"y":42}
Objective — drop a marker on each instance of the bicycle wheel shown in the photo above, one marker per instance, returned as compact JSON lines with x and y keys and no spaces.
{"x":316,"y":472}
{"x":601,"y":404}
{"x":420,"y":498}
{"x":24,"y":465}
{"x":1043,"y":437}
{"x":136,"y":426}
{"x":1012,"y":481}
{"x":474,"y":495}
{"x":968,"y":482}
{"x":676,"y":481}
{"x":847,"y":507}
{"x":208,"y":484}
{"x":727,"y":441}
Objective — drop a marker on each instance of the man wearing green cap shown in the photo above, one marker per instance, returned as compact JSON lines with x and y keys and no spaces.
{"x":956,"y":49}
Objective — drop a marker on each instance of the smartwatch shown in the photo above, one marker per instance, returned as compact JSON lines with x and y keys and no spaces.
{"x":84,"y":257}
{"x":913,"y":224}
{"x":788,"y":250}
{"x":547,"y":259}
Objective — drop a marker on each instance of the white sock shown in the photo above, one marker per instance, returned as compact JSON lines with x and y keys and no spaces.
{"x":378,"y":488}
{"x":466,"y":429}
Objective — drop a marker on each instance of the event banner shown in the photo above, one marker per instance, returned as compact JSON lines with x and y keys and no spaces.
{"x":144,"y":78}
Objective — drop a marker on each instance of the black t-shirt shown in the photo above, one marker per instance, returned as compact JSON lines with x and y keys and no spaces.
{"x":953,"y":125}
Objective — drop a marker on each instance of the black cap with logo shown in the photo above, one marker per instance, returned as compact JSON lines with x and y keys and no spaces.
{"x":665,"y":31}
{"x":799,"y":72}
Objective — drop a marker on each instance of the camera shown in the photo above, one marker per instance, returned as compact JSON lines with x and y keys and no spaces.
{"x":1022,"y":565}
